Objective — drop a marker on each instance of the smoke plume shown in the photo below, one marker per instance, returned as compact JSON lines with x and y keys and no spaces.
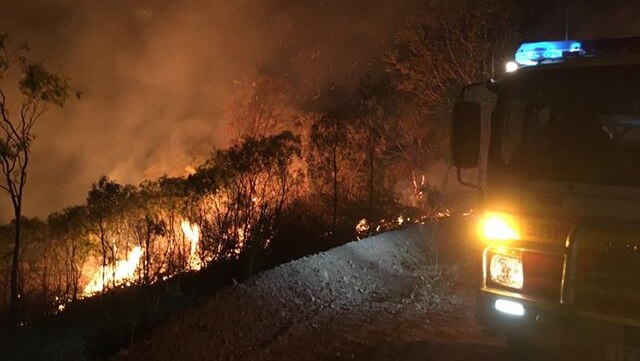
{"x":156,"y":75}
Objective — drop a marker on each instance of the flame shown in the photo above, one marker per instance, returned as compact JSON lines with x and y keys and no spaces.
{"x":190,"y":170}
{"x":192,"y":232}
{"x":123,"y":272}
{"x":241,"y":240}
{"x":444,"y":213}
{"x":362,"y":227}
{"x":418,"y":189}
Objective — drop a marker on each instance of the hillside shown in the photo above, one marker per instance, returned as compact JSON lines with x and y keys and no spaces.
{"x":406,"y":294}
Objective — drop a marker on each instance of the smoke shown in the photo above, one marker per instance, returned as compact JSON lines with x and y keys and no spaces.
{"x":156,"y":76}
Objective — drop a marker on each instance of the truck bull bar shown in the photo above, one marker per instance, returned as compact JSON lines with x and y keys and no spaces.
{"x":601,"y":273}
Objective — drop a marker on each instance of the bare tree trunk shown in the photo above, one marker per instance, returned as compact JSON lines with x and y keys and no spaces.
{"x":74,"y":272}
{"x":68,"y":271}
{"x":14,"y":307}
{"x":103,"y":244}
{"x":45,"y":279}
{"x":147,"y":257}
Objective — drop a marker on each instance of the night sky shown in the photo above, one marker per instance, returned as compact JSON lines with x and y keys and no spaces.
{"x":156,"y":75}
{"x":587,"y":18}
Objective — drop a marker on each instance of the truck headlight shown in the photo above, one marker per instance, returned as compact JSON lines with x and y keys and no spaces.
{"x":506,"y":270}
{"x":499,"y":227}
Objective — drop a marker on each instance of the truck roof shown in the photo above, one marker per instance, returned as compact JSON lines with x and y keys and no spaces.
{"x":585,"y":61}
{"x":562,"y":54}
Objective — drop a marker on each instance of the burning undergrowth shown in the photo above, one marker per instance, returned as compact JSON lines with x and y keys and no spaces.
{"x":128,"y":270}
{"x":124,"y":256}
{"x":352,"y":157}
{"x":231,"y":208}
{"x":228,"y":209}
{"x":365,"y":228}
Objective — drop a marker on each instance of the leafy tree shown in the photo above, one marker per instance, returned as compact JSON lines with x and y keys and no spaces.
{"x":450,"y":44}
{"x":173,"y":199}
{"x":106,"y":202}
{"x":436,"y":52}
{"x":415,"y":140}
{"x":38,"y":89}
{"x":245,"y":189}
{"x":375,"y":104}
{"x":147,"y":224}
{"x":38,"y":265}
{"x":71,"y":228}
{"x":207,"y":207}
{"x":330,"y":140}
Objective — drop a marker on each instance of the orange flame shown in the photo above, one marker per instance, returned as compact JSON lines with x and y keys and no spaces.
{"x":362,"y":227}
{"x":124,"y":271}
{"x":192,"y":232}
{"x":120,"y":273}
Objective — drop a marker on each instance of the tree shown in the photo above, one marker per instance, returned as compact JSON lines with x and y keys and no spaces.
{"x":106,"y":202}
{"x":38,"y":265}
{"x":451,"y":44}
{"x":375,"y":106}
{"x":70,"y":227}
{"x":38,"y":88}
{"x":240,"y":194}
{"x":172,"y":193}
{"x":436,"y":52}
{"x":147,"y":223}
{"x":329,"y":136}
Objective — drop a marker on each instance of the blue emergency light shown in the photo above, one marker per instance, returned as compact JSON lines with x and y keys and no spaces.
{"x":545,"y":52}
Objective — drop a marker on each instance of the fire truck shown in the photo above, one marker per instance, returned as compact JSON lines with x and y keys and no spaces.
{"x":560,"y":221}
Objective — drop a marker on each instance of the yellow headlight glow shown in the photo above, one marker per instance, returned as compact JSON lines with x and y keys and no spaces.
{"x":499,"y":227}
{"x":506,"y":271}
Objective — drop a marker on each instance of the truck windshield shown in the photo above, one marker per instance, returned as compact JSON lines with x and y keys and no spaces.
{"x":577,"y":125}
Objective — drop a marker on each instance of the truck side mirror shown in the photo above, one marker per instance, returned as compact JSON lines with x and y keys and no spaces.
{"x":465,"y":135}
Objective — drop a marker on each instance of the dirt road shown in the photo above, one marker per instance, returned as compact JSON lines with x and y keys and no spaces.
{"x":402,"y":295}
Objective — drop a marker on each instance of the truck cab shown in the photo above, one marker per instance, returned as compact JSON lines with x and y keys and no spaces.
{"x":561,"y":198}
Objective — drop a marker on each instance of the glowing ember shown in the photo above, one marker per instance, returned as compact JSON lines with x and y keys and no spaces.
{"x":240,"y":241}
{"x":444,"y":213}
{"x":418,"y":189}
{"x":362,"y":227}
{"x":123,"y":272}
{"x":192,"y":232}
